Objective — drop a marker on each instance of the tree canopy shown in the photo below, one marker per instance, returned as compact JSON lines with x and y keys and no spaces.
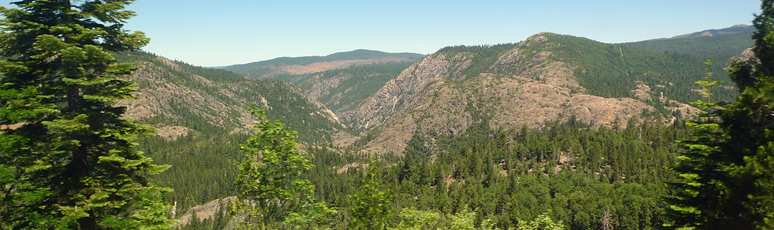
{"x":68,"y":157}
{"x":727,"y":170}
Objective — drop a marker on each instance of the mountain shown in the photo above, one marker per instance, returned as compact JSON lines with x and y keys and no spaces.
{"x":718,"y":45}
{"x":175,"y":94}
{"x":719,"y":32}
{"x":202,"y":118}
{"x":280,"y":68}
{"x":427,"y":107}
{"x":378,"y":102}
{"x":546,"y":78}
{"x":341,"y":81}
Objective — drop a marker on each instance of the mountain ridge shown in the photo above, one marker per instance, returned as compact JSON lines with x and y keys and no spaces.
{"x":741,"y":28}
{"x":173,"y":93}
{"x":545,"y":78}
{"x":312,"y":64}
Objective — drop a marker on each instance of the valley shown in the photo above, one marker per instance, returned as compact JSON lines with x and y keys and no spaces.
{"x":516,"y":131}
{"x":419,"y":111}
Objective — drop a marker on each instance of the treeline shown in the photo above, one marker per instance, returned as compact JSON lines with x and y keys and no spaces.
{"x":568,"y":172}
{"x":573,"y":171}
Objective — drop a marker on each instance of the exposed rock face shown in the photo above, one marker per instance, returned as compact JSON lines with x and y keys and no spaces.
{"x":407,"y":89}
{"x":205,"y":211}
{"x":642,"y":92}
{"x":170,"y":94}
{"x":521,"y":88}
{"x":172,"y":132}
{"x":162,"y":95}
{"x":747,"y":56}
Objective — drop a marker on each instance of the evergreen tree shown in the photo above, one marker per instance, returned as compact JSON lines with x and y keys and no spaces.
{"x":68,"y":158}
{"x":727,"y":171}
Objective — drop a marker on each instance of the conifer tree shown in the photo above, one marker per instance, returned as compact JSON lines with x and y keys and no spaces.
{"x":727,"y":170}
{"x":66,"y":155}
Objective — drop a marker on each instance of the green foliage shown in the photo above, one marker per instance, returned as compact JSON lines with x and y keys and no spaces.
{"x":284,"y":100}
{"x":720,"y":47}
{"x":269,"y":179}
{"x":220,"y":219}
{"x":70,"y":162}
{"x":205,"y":155}
{"x":203,"y":166}
{"x":726,"y":169}
{"x":357,"y":83}
{"x":483,"y":57}
{"x":508,"y":176}
{"x":612,"y":70}
{"x":370,"y":205}
{"x":317,"y":216}
{"x":699,"y":161}
{"x":411,"y":218}
{"x":541,"y":222}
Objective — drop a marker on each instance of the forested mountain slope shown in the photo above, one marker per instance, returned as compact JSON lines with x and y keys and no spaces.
{"x":177,"y":96}
{"x":285,"y":67}
{"x":547,"y":77}
{"x":457,"y":93}
{"x":202,"y":117}
{"x":341,"y":81}
{"x":717,"y":45}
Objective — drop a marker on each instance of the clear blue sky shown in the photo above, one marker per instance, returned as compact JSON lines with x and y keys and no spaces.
{"x":217,"y":33}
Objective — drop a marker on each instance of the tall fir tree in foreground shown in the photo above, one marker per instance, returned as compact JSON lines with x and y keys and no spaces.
{"x":67,"y":158}
{"x":727,"y":170}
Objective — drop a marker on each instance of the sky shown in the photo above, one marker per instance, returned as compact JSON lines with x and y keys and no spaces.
{"x":226,"y":32}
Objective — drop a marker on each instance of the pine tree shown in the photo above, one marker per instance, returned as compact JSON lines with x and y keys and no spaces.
{"x":727,"y":170}
{"x":68,"y":158}
{"x":749,"y":123}
{"x":696,"y":194}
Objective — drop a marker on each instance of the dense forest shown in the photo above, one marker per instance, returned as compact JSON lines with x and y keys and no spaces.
{"x":71,"y":159}
{"x":568,"y":171}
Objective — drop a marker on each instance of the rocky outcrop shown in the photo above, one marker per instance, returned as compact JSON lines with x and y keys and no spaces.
{"x":522,"y":87}
{"x":407,"y":89}
{"x":174,"y":96}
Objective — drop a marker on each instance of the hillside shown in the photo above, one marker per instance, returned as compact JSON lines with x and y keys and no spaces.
{"x":175,"y":94}
{"x":718,"y":32}
{"x":341,"y":81}
{"x":532,"y":84}
{"x":281,"y":68}
{"x":546,"y":78}
{"x":201,"y":116}
{"x":718,"y":45}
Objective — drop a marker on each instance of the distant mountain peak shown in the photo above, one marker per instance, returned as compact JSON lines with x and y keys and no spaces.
{"x":741,"y":28}
{"x":313,"y":64}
